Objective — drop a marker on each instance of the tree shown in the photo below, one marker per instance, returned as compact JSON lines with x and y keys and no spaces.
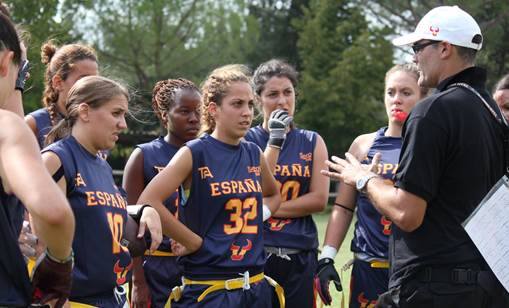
{"x":342,"y":76}
{"x":492,"y":17}
{"x":278,"y":37}
{"x":39,"y":18}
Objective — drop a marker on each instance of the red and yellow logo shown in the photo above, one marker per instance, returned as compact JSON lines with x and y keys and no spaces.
{"x":122,"y":272}
{"x":238,"y":252}
{"x":278,"y":224}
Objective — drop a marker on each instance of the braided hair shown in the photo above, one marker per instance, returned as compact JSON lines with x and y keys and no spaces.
{"x":164,"y":95}
{"x":60,"y":61}
{"x":215,"y":88}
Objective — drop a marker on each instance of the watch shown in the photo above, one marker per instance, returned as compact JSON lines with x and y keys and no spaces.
{"x":361,"y":182}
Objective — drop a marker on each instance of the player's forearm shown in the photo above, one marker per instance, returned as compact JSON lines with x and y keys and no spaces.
{"x":271,"y":155}
{"x":305,"y":205}
{"x":56,"y":232}
{"x":337,"y":227}
{"x":173,"y":228}
{"x":273,"y":202}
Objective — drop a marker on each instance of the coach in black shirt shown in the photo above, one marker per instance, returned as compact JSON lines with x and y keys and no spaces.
{"x":452,"y":155}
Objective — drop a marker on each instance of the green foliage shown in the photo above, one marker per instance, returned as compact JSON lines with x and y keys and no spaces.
{"x":278,"y":38}
{"x":492,"y":17}
{"x":344,"y":63}
{"x":39,"y":19}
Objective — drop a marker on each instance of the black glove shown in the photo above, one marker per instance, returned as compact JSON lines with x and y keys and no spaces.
{"x":24,"y":67}
{"x":279,"y":122}
{"x":326,"y":272}
{"x":52,"y":279}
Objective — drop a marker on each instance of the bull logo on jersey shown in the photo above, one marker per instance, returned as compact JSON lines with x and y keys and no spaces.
{"x":278,"y":224}
{"x":434,"y":31}
{"x":306,"y":157}
{"x":238,"y":252}
{"x":79,"y":180}
{"x":364,"y":302}
{"x":387,"y":225}
{"x":122,"y":272}
{"x":205,"y":173}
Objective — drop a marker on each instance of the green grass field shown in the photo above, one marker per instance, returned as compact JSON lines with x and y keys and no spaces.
{"x":343,"y":256}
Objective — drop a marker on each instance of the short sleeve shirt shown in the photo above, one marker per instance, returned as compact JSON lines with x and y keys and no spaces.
{"x":452,"y":155}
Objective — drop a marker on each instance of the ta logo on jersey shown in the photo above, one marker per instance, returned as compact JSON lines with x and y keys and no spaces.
{"x":122,"y":272}
{"x":278,"y":224}
{"x":306,"y":157}
{"x":254,"y":169}
{"x":238,"y":252}
{"x":205,"y":173}
{"x":79,"y":180}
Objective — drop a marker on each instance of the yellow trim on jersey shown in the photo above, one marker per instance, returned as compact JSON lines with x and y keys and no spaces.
{"x":159,"y":253}
{"x":230,"y":284}
{"x":80,"y":305}
{"x":379,"y":264}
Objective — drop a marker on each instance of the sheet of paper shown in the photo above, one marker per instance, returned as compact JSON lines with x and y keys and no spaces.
{"x":488,"y":227}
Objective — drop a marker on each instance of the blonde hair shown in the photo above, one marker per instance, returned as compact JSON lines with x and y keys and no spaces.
{"x":215,"y":88}
{"x":60,"y":61}
{"x":95,"y":91}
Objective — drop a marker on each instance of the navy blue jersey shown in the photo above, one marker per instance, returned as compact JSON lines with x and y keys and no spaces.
{"x":15,"y":288}
{"x":43,"y":124}
{"x":293,"y":171}
{"x":372,"y":229}
{"x":101,"y":262}
{"x":224,"y":207}
{"x":156,"y":155}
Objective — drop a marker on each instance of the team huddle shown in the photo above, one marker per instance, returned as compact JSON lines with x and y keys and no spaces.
{"x":217,"y":212}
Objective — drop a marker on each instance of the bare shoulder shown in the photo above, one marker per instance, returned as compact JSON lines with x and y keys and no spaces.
{"x":14,"y":127}
{"x":360,"y":146}
{"x":30,"y":121}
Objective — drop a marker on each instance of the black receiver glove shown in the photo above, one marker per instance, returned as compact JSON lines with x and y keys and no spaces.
{"x":279,"y":122}
{"x":52,"y":279}
{"x":326,"y":272}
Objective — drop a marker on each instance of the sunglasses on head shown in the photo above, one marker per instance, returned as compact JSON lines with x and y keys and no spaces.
{"x":418,"y":47}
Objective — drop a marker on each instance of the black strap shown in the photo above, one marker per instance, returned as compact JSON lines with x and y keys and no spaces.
{"x":498,"y":117}
{"x":344,"y":207}
{"x":58,"y":174}
{"x":447,"y":275}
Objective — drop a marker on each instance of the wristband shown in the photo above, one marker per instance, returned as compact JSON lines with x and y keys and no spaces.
{"x":328,"y":252}
{"x":266,"y":212}
{"x":57,"y":260}
{"x":24,"y":67}
{"x":135,"y":211}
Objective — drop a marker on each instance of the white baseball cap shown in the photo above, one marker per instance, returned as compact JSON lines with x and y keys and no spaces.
{"x":445,"y":23}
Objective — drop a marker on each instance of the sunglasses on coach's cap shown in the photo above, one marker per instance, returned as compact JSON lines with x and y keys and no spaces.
{"x":418,"y":47}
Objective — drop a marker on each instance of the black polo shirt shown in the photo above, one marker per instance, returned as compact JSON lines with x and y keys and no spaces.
{"x":452,"y":155}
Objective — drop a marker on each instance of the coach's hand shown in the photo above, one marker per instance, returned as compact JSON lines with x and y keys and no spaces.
{"x":279,"y":122}
{"x":325,"y":273}
{"x":51,"y":280}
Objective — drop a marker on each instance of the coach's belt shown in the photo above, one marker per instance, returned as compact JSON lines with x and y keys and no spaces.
{"x":159,"y":253}
{"x":374,"y":262}
{"x":230,"y":284}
